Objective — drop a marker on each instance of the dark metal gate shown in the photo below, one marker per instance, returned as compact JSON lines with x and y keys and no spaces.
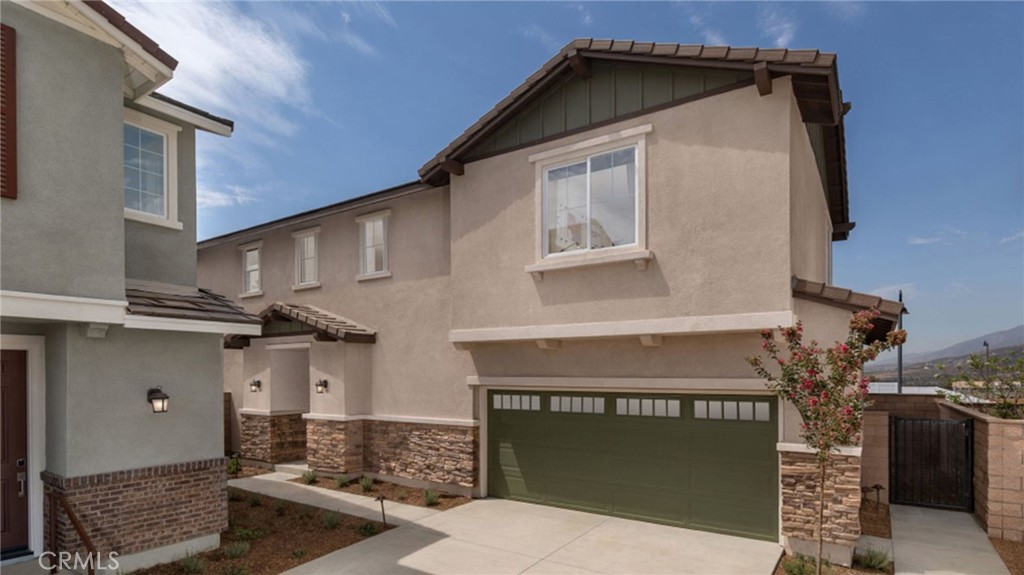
{"x":931,"y":462}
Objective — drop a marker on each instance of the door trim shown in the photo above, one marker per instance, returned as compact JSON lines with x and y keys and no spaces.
{"x":35,"y":348}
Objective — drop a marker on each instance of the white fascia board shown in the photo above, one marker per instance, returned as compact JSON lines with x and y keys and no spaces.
{"x":30,"y":305}
{"x":123,"y":39}
{"x":191,"y":325}
{"x":206,"y":124}
{"x":689,"y":325}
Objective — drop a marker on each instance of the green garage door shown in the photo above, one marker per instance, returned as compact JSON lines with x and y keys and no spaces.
{"x":704,"y":462}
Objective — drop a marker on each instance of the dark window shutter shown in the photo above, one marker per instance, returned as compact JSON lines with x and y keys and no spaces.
{"x":8,"y":116}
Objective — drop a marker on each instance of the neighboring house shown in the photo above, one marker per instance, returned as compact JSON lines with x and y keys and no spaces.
{"x":101,"y":316}
{"x":558,"y":311}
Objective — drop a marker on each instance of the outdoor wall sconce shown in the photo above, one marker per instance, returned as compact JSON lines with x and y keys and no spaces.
{"x":158,"y":399}
{"x":255,"y":385}
{"x":321,"y":386}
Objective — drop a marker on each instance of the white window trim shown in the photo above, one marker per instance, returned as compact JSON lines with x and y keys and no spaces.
{"x":300,"y":235}
{"x":170,"y":133}
{"x":244,"y":249}
{"x":544,"y":161}
{"x":386,"y":272}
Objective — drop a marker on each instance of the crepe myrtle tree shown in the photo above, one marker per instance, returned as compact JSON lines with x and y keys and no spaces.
{"x":827,"y":386}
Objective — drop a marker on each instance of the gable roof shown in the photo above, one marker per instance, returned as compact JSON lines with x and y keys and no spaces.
{"x":183,"y":302}
{"x":117,"y":20}
{"x":324,"y":325}
{"x":816,"y":86}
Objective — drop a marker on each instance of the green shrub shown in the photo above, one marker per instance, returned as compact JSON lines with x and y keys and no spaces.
{"x":871,"y":558}
{"x":342,"y":480}
{"x":431,"y":498}
{"x":280,"y":508}
{"x":368,"y":530}
{"x":236,"y":570}
{"x":255,"y":501}
{"x":235,"y":495}
{"x":245,"y":534}
{"x":331,"y":520}
{"x":299,"y":553}
{"x":309,"y":477}
{"x":236,"y":549}
{"x":802,"y":565}
{"x":192,"y":565}
{"x":234,"y":466}
{"x":366,"y":483}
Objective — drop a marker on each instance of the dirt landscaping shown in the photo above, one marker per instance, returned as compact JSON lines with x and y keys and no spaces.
{"x":250,"y":471}
{"x":1012,"y":553}
{"x":807,"y":568}
{"x":874,"y":519}
{"x":391,"y":492}
{"x":266,"y":536}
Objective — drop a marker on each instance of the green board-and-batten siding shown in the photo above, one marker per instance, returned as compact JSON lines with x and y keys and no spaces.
{"x":612,"y":91}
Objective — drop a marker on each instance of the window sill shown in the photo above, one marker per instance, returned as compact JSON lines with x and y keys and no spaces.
{"x":640,"y":257}
{"x":373,"y":276}
{"x":130,"y":214}
{"x":301,"y":287}
{"x":250,"y":294}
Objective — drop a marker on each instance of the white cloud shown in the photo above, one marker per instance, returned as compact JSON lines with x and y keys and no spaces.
{"x":698,"y":19}
{"x":227,"y":197}
{"x":586,"y":17}
{"x":535,"y":32}
{"x":1017,"y":237}
{"x":945,"y":236}
{"x":919,"y":241}
{"x":780,"y":28}
{"x":893,"y":291}
{"x":847,"y":10}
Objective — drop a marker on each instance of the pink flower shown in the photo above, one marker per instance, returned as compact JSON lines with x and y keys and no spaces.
{"x":813,"y":401}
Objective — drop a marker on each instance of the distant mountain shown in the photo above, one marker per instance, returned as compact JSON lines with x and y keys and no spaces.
{"x":933,"y":372}
{"x":1013,"y":337}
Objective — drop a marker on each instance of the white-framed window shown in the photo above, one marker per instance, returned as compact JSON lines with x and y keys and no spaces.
{"x":591,"y":203}
{"x":307,"y":261}
{"x":150,"y":170}
{"x":732,"y":410}
{"x":647,"y":407}
{"x":577,"y":404}
{"x":252,"y":270}
{"x":515,"y":402}
{"x":373,"y":245}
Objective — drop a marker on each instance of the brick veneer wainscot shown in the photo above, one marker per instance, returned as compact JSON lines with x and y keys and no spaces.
{"x":800,"y":476}
{"x":140,"y":509}
{"x":273,"y":438}
{"x":998,"y":471}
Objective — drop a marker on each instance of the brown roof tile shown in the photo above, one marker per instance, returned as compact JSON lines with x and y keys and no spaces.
{"x":322,"y":320}
{"x":842,"y":297}
{"x":183,"y":302}
{"x":122,"y":24}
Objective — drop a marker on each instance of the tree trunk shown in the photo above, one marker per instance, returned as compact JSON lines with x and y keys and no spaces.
{"x":821,"y":515}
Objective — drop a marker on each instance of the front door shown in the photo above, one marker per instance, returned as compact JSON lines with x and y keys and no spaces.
{"x":13,"y":453}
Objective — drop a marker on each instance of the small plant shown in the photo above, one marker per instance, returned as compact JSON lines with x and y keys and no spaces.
{"x":299,"y":553}
{"x":255,"y":501}
{"x":280,"y":508}
{"x":236,"y":550}
{"x":366,"y":483}
{"x":309,"y":477}
{"x":801,"y":565}
{"x":246,"y":534}
{"x":431,"y":497}
{"x":368,"y":530}
{"x":236,"y":570}
{"x":234,"y":466}
{"x":342,"y":481}
{"x":872,"y":558}
{"x":331,"y":520}
{"x":192,"y":564}
{"x":235,"y":495}
{"x":306,"y":513}
{"x":402,"y":497}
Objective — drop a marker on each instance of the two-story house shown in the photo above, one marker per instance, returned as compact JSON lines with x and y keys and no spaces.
{"x":559,"y":309}
{"x":112,"y":362}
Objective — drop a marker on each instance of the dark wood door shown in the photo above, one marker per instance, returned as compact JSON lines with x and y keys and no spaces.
{"x":13,"y":452}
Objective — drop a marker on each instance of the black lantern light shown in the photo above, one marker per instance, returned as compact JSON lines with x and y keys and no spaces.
{"x":321,"y":386}
{"x":158,"y":399}
{"x":255,"y":385}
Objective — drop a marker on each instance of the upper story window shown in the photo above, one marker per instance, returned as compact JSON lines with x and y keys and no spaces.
{"x":373,"y":244}
{"x":591,"y":204}
{"x":307,"y":273}
{"x":252,"y":273}
{"x":150,"y":170}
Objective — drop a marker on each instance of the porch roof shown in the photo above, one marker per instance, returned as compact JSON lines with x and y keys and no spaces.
{"x":322,"y":324}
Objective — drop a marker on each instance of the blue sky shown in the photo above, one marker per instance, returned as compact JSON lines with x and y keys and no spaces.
{"x":338,"y":99}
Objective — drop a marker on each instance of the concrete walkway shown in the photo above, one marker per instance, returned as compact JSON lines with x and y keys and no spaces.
{"x":934,"y":542}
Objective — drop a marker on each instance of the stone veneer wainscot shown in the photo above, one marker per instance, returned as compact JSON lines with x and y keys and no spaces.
{"x":800,"y":476}
{"x":140,"y":509}
{"x":276,"y":438}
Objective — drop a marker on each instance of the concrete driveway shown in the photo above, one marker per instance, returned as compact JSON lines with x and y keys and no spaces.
{"x":496,"y":536}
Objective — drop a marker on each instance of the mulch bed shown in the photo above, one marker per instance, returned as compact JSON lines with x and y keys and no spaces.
{"x":1012,"y":553}
{"x":874,"y":519}
{"x":391,"y":492}
{"x":280,"y":534}
{"x":251,"y":471}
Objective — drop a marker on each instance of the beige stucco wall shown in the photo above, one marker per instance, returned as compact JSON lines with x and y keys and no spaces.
{"x":717,"y":220}
{"x":811,"y":225}
{"x":416,"y":372}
